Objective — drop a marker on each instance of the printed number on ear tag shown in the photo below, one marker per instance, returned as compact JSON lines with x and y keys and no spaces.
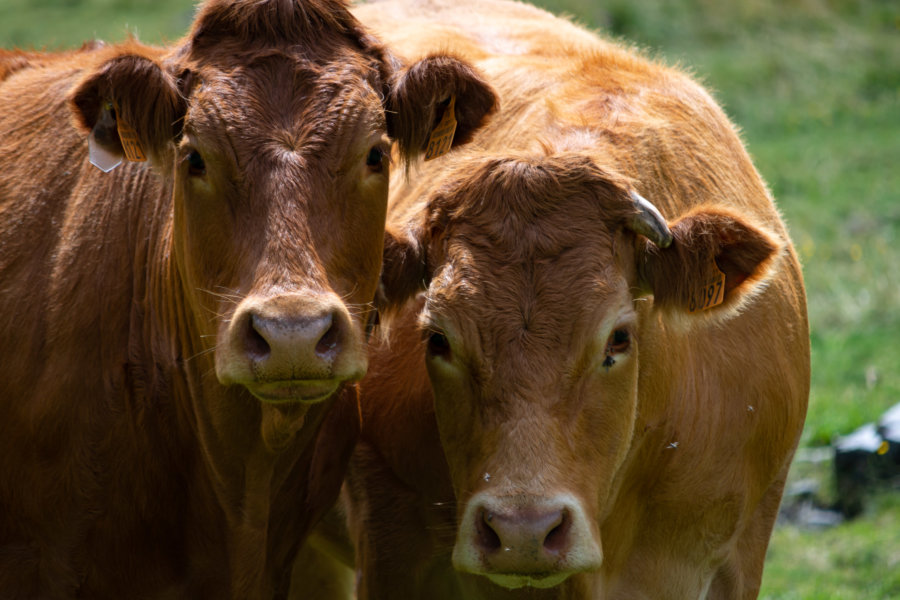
{"x":712,"y":293}
{"x":442,"y":137}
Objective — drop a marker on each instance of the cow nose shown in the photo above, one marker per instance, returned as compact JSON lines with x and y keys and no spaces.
{"x":525,"y":540}
{"x":291,"y":346}
{"x":535,"y":538}
{"x":282,"y":338}
{"x":292,"y":336}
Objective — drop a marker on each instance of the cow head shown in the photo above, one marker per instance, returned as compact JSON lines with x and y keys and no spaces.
{"x":538,"y":272}
{"x":271,"y":126}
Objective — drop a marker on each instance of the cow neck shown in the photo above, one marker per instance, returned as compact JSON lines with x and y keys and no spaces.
{"x":266,"y":515}
{"x":254,"y":458}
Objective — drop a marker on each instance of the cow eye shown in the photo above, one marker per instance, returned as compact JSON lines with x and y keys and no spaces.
{"x":439,"y":345}
{"x":375,"y":159}
{"x":196,"y":166}
{"x":619,"y":342}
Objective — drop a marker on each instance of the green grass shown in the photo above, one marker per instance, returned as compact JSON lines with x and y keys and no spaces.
{"x":839,"y":196}
{"x":815,"y":86}
{"x":856,"y":561}
{"x":57,"y":24}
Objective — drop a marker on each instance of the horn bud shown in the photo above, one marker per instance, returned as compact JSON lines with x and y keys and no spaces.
{"x":648,"y":222}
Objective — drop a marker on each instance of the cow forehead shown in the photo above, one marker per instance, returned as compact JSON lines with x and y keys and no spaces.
{"x":481,"y":278}
{"x":532,"y":205}
{"x":279,"y":99}
{"x":516,"y":228}
{"x":528,"y":309}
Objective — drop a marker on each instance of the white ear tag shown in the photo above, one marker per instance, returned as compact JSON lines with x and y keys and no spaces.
{"x":100,"y":157}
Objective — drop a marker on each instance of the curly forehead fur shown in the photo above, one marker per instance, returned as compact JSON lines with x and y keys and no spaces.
{"x":230,"y":101}
{"x":527,"y":203}
{"x":274,"y":21}
{"x":520,"y":234}
{"x":308,"y":29}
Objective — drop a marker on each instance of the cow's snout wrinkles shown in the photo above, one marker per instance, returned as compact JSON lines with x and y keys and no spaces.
{"x":524,"y":540}
{"x":291,"y":347}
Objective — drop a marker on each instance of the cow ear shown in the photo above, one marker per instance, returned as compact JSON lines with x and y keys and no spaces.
{"x":130,"y":106}
{"x":404,"y":270}
{"x":717,"y":262}
{"x":428,"y":94}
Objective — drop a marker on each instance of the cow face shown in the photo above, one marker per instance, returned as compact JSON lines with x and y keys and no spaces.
{"x":271,"y":125}
{"x":533,"y":323}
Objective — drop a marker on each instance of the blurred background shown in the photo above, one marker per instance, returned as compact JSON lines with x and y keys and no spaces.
{"x":815,"y":87}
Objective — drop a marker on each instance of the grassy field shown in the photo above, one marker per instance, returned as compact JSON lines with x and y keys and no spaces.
{"x":815,"y":86}
{"x":55,"y":24}
{"x":859,"y":560}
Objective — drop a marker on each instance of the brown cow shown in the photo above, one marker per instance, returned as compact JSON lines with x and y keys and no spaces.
{"x":618,"y":392}
{"x":180,"y":336}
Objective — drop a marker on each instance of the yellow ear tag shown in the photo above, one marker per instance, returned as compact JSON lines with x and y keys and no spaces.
{"x":711,"y":293}
{"x":131,"y":143}
{"x":883,"y":448}
{"x":442,"y":136}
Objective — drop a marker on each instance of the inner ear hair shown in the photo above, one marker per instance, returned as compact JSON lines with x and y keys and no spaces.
{"x":145,"y":94}
{"x":417,"y":92}
{"x":708,"y":241}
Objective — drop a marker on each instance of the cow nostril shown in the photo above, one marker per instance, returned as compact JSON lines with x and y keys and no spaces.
{"x":330,"y":341}
{"x":557,"y":539}
{"x":486,"y":537}
{"x":254,"y":342}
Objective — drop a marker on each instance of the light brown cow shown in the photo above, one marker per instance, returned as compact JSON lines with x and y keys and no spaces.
{"x":618,"y":383}
{"x":180,"y":336}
